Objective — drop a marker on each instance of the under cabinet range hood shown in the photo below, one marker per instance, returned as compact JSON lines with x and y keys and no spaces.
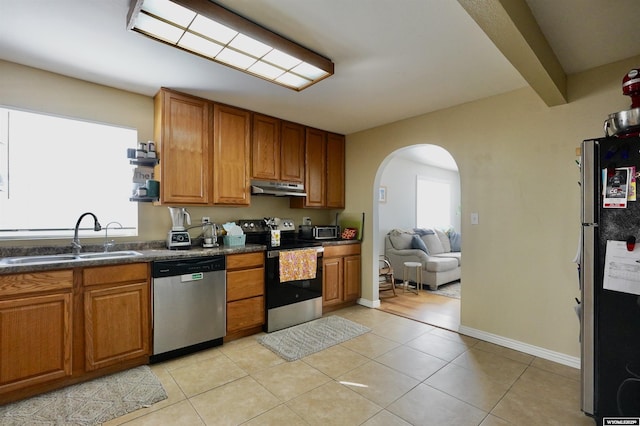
{"x":279,"y":189}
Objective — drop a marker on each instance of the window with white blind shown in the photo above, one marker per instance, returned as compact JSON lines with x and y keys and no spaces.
{"x":53,"y":169}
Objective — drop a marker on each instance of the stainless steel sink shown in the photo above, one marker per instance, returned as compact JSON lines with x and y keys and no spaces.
{"x":27,"y":260}
{"x":61,"y":258}
{"x":109,"y":254}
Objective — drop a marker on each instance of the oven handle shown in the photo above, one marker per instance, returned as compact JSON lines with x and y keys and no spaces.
{"x":276,"y":253}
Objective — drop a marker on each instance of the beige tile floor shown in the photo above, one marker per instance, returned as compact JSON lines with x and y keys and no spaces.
{"x":402,"y":373}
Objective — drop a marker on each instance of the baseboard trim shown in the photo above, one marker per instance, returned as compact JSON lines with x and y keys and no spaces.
{"x":369,"y":303}
{"x":558,"y":357}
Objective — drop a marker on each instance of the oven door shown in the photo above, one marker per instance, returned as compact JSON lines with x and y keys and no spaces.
{"x":289,"y":292}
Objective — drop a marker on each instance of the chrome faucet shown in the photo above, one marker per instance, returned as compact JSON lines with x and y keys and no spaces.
{"x":108,"y":243}
{"x":75,"y":244}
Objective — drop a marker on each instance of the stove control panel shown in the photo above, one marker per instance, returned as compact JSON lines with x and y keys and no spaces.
{"x":266,"y":224}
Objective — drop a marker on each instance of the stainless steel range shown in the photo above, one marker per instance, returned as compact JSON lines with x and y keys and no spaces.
{"x":293,"y":272}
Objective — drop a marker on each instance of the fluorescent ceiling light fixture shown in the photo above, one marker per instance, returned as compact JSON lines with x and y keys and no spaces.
{"x":216,"y":33}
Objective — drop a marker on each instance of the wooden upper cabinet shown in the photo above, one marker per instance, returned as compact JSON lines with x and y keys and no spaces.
{"x":335,"y":171}
{"x":316,"y":168}
{"x":324,"y":170}
{"x":277,"y":150}
{"x":231,"y":155}
{"x":292,"y":152}
{"x":265,"y":148}
{"x":182,"y":133}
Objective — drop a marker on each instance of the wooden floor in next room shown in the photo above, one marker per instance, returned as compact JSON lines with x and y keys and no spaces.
{"x":426,"y":307}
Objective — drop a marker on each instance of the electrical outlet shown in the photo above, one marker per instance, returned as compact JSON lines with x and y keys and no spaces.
{"x":306,"y":220}
{"x":206,"y":219}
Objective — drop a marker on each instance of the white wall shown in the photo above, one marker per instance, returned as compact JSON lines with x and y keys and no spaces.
{"x":399,"y":177}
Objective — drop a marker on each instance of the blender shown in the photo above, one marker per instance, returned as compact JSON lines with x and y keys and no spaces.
{"x":178,"y":238}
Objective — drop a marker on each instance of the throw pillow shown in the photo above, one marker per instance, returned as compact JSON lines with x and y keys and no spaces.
{"x":446,"y":244}
{"x":455,"y":239}
{"x":417,"y":243}
{"x":400,"y":240}
{"x":434,"y":246}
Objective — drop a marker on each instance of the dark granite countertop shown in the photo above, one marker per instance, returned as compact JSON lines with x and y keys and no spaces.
{"x":151,"y":251}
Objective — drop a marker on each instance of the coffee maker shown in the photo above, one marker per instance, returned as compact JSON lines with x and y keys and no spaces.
{"x":178,"y":237}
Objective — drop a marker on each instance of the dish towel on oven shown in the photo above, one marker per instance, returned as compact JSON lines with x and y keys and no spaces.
{"x":298,"y":265}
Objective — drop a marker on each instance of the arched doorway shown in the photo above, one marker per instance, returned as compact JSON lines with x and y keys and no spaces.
{"x":419,"y":187}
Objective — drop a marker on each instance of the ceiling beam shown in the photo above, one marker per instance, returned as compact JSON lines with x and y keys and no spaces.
{"x":512,"y":28}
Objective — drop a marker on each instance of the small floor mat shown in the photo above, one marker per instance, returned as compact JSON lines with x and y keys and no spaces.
{"x":88,"y":403}
{"x":305,"y":339}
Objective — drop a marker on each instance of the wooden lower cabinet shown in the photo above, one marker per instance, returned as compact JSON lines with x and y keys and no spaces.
{"x":66,"y":326}
{"x":116,"y":324}
{"x":35,"y":329}
{"x":246,"y":313}
{"x":245,"y":293}
{"x":333,"y":280}
{"x":116,"y":308}
{"x":341,"y":276}
{"x":35,"y":345}
{"x":352,"y":277}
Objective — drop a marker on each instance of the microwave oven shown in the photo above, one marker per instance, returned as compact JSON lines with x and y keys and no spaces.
{"x":307,"y":232}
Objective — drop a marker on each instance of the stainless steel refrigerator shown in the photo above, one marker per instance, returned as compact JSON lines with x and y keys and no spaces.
{"x":610,"y":278}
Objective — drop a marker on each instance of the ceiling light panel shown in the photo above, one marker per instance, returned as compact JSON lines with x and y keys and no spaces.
{"x":213,"y":30}
{"x":169,"y":11}
{"x":248,"y":45}
{"x":159,"y":29}
{"x":292,"y":80}
{"x":235,"y":58}
{"x":281,"y":59}
{"x":265,"y":70}
{"x":209,"y":30}
{"x":200,"y":45}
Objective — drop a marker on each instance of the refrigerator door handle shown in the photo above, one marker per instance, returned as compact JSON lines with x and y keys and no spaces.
{"x":590,"y":179}
{"x":588,"y":183}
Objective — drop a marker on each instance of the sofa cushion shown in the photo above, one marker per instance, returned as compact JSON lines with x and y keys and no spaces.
{"x":434,"y":246}
{"x":444,"y":239}
{"x":451,"y":255}
{"x":400,"y":240}
{"x":441,"y":264}
{"x":417,"y":243}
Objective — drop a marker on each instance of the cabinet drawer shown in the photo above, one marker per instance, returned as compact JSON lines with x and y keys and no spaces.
{"x":14,"y":284}
{"x":115,"y":274}
{"x":341,"y":250}
{"x":245,"y":313}
{"x":243,"y":284}
{"x":245,"y":260}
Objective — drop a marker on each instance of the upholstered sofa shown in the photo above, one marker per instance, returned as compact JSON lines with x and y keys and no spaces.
{"x":438,"y":251}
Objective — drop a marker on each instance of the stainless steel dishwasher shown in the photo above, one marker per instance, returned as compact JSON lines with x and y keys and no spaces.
{"x":189,"y":305}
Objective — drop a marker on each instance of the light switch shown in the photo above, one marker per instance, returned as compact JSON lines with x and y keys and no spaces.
{"x":474,"y":218}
